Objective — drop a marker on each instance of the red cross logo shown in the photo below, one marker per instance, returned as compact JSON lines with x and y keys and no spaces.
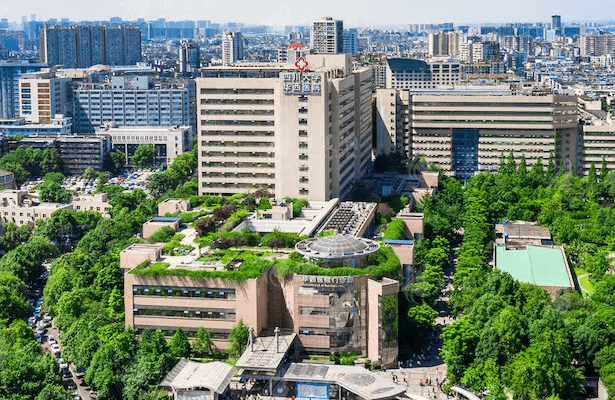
{"x":301,"y":64}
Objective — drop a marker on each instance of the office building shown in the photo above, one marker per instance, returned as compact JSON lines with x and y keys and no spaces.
{"x":168,"y":141}
{"x":598,"y":143}
{"x":350,"y":41}
{"x":409,"y":73}
{"x":131,"y":101}
{"x":556,"y":22}
{"x":43,"y":95}
{"x":327,"y":36}
{"x":81,"y":46}
{"x":78,"y":152}
{"x":59,"y":125}
{"x":295,"y":130}
{"x":10,"y":73}
{"x":189,"y":57}
{"x":467,"y":131}
{"x":232,"y":48}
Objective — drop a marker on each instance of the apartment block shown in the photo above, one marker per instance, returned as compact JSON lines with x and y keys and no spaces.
{"x":97,"y":104}
{"x":232,"y":48}
{"x":168,"y":141}
{"x":43,"y":95}
{"x":327,"y":36}
{"x":598,"y":142}
{"x":295,"y":130}
{"x":467,"y":131}
{"x":81,"y":46}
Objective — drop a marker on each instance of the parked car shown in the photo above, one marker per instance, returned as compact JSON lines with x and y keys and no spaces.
{"x":51,"y":340}
{"x":63,"y":364}
{"x":55,"y":349}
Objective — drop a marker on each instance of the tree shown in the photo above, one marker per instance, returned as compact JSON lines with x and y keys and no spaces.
{"x":238,"y":339}
{"x":53,"y":192}
{"x":118,"y":159}
{"x":13,"y":304}
{"x":422,"y":316}
{"x":603,"y":170}
{"x":144,"y":155}
{"x":592,"y":177}
{"x":89,"y":173}
{"x":459,"y":344}
{"x":179,"y":346}
{"x":202,"y":344}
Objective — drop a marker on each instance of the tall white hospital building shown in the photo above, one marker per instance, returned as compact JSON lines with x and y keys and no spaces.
{"x":299,"y":130}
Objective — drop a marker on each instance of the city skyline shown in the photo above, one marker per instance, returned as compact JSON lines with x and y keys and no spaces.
{"x":282,"y":12}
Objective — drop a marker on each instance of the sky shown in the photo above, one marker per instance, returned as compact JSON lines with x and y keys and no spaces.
{"x":354,"y":13}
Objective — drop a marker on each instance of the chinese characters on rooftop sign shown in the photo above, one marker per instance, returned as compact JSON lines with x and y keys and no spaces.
{"x":328,"y":279}
{"x":301,"y":83}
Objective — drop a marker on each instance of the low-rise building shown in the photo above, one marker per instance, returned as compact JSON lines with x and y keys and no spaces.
{"x":22,"y":207}
{"x":59,"y":125}
{"x":78,"y":152}
{"x":7,"y":179}
{"x":328,"y":313}
{"x":155,"y":224}
{"x":168,"y":141}
{"x":173,"y":206}
{"x":95,"y":202}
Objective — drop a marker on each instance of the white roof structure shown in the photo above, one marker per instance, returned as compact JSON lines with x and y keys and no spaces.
{"x":189,"y":375}
{"x":358,"y":380}
{"x":264,"y":355}
{"x":336,"y":247}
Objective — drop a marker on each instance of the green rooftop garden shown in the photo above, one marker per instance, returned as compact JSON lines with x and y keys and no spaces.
{"x":383,"y":263}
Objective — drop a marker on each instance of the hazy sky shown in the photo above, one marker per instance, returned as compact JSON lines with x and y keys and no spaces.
{"x":284,"y":12}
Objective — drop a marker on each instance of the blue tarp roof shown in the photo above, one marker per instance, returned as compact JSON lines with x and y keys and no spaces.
{"x":397,"y":241}
{"x":166,"y":219}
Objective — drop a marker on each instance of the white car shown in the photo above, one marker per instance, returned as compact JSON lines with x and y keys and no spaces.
{"x":55,"y":349}
{"x":51,"y":340}
{"x":63,"y":364}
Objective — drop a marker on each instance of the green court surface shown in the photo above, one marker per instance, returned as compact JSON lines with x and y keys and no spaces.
{"x":542,"y":266}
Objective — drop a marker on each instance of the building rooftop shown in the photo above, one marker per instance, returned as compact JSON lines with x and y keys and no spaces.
{"x":189,"y":375}
{"x":540,"y":265}
{"x":337,"y":247}
{"x":358,"y":380}
{"x":406,"y":64}
{"x":264,"y":355}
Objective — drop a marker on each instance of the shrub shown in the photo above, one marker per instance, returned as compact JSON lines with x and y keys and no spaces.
{"x":162,"y":235}
{"x":395,"y":230}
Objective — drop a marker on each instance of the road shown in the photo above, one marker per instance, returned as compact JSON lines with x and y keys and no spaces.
{"x":428,"y":365}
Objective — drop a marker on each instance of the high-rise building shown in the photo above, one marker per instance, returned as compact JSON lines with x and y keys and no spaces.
{"x":598,"y":144}
{"x":81,"y":46}
{"x":189,"y":57}
{"x":327,"y":36}
{"x":10,"y":72}
{"x":443,"y":44}
{"x":350,"y":41}
{"x":597,"y":44}
{"x":556,"y":22}
{"x":232,"y":48}
{"x":300,"y":130}
{"x":467,"y":131}
{"x":131,"y":101}
{"x":43,"y":95}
